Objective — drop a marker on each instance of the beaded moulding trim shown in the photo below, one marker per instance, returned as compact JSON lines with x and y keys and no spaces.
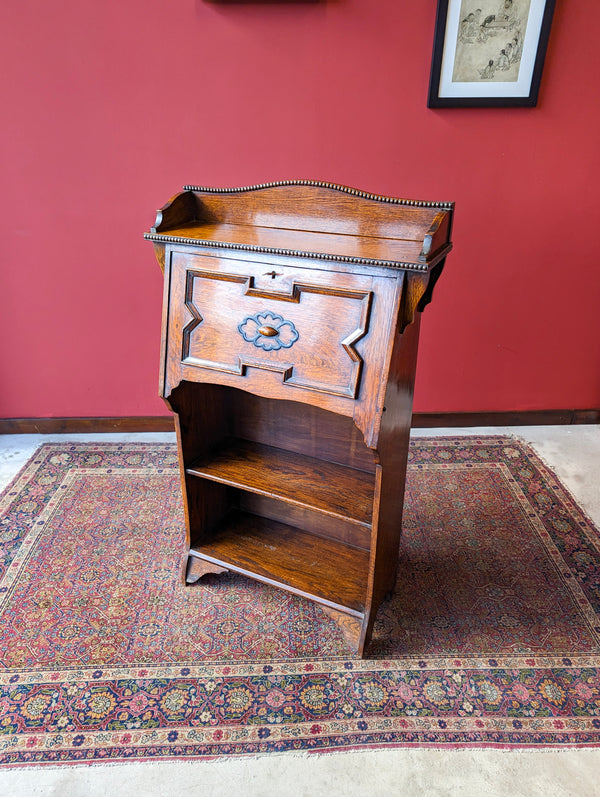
{"x":321,"y":184}
{"x":173,"y":239}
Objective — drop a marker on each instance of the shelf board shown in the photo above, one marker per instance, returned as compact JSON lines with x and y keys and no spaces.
{"x":377,"y":247}
{"x":326,"y":487}
{"x":324,"y":570}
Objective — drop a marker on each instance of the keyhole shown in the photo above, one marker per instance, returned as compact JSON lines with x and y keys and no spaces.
{"x":271,"y":274}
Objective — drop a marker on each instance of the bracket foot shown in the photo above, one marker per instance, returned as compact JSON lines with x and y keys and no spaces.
{"x":195,"y":568}
{"x":349,"y":626}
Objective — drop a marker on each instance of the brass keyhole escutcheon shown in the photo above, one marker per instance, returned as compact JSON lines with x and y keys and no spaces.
{"x":268,"y":332}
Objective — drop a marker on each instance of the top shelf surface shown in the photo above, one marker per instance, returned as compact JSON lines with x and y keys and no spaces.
{"x":311,"y":220}
{"x":305,"y":241}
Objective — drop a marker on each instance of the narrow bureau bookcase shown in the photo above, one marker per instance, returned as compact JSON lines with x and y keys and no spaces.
{"x":290,"y":330}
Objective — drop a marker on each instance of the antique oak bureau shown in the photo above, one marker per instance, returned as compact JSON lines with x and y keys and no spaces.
{"x":290,"y":330}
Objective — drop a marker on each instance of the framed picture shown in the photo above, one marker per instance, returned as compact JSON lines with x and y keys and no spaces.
{"x":489,"y":52}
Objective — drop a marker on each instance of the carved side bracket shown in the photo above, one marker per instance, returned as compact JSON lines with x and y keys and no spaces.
{"x":437,"y":235}
{"x":418,"y":291}
{"x":180,"y":209}
{"x":414,"y":288}
{"x":159,"y":251}
{"x":434,"y":275}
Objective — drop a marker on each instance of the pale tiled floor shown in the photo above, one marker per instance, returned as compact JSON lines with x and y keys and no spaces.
{"x":573,"y":452}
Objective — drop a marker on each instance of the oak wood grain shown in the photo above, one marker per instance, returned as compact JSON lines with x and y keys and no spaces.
{"x":197,"y":568}
{"x":362,"y":247}
{"x":349,"y":532}
{"x":305,"y":207}
{"x":304,"y":481}
{"x":343,"y":323}
{"x":325,"y":570}
{"x":290,"y":330}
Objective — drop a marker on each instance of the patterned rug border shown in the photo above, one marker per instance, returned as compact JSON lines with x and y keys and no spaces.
{"x":556,"y":729}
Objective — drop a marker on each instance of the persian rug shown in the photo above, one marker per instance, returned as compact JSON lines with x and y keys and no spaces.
{"x":492,"y":637}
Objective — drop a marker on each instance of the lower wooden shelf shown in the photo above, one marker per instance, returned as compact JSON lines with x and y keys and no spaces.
{"x":327,"y":571}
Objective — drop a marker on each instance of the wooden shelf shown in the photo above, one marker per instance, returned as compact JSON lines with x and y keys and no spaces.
{"x":324,"y":570}
{"x":376,"y":247}
{"x":326,"y":487}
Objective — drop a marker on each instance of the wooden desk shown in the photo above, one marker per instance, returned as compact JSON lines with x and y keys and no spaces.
{"x":290,"y":331}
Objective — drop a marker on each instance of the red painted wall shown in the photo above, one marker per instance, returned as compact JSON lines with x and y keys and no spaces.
{"x":111,"y":107}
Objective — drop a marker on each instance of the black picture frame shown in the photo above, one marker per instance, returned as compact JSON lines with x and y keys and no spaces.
{"x":463,"y":45}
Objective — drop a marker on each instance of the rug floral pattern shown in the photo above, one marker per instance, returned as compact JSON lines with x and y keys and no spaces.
{"x":491,"y":638}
